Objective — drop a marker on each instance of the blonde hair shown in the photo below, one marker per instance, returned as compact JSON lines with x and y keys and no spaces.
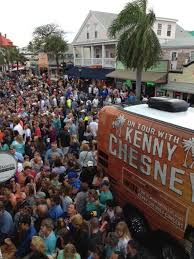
{"x":70,"y":251}
{"x":38,"y":243}
{"x":77,"y":221}
{"x":74,"y":139}
{"x":122,"y":226}
{"x":19,"y":139}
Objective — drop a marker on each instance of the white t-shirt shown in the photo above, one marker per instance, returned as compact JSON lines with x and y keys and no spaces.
{"x":95,"y":102}
{"x":19,"y":129}
{"x":94,"y":128}
{"x":27,"y":133}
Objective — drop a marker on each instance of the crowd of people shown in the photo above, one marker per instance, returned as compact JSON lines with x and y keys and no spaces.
{"x":59,"y":204}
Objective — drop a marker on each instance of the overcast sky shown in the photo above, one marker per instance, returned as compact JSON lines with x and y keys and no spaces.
{"x":19,"y":18}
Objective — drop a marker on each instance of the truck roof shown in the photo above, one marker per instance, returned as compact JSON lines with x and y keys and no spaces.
{"x":181,"y":119}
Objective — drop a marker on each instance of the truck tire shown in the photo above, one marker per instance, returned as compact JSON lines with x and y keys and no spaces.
{"x":136,"y":222}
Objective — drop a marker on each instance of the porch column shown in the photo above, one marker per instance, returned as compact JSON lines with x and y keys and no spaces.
{"x":74,"y":55}
{"x":92,"y":55}
{"x":82,"y":56}
{"x":103,"y":54}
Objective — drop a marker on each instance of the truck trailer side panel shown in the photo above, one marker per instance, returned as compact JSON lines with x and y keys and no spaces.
{"x":151,"y":165}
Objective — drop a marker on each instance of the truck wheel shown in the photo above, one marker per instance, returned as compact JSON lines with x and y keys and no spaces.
{"x":136,"y":222}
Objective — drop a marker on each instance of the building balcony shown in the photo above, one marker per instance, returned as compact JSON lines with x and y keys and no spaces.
{"x":104,"y":62}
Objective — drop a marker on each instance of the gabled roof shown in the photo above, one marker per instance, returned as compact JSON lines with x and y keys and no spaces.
{"x":181,"y":33}
{"x":4,"y":42}
{"x":104,"y":18}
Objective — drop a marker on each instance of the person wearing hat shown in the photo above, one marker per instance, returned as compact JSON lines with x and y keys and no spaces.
{"x":6,"y":223}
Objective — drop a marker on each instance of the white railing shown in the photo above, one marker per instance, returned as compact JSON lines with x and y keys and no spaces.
{"x":106,"y":62}
{"x":110,"y":62}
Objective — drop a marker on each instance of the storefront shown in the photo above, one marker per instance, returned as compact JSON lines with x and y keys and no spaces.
{"x":150,"y":80}
{"x":179,"y":90}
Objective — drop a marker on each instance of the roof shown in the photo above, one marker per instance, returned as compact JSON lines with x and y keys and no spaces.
{"x":166,"y":19}
{"x":181,"y":33}
{"x":191,"y":32}
{"x":181,"y":119}
{"x":106,"y":19}
{"x":125,"y":74}
{"x":179,"y":43}
{"x":5,"y":42}
{"x":183,"y":39}
{"x":179,"y":87}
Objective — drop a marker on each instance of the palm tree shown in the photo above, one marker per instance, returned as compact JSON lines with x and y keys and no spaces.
{"x":138,"y":46}
{"x":188,"y":146}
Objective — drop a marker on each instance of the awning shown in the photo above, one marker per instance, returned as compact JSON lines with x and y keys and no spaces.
{"x":125,"y":74}
{"x":179,"y":87}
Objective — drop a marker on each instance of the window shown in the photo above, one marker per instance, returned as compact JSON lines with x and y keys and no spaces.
{"x":96,"y":34}
{"x":88,"y":35}
{"x":174,"y":56}
{"x":169,"y":30}
{"x":192,"y":56}
{"x":159,"y":30}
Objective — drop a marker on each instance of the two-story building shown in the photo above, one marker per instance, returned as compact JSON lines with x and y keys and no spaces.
{"x":92,"y":45}
{"x":179,"y":51}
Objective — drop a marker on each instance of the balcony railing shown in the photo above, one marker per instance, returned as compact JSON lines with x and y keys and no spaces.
{"x":106,"y":62}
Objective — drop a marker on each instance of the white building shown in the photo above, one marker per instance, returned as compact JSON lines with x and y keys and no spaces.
{"x":93,"y":47}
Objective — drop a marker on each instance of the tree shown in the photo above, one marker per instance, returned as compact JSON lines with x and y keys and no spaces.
{"x":138,"y":46}
{"x":12,"y":55}
{"x":49,"y":38}
{"x":56,"y":46}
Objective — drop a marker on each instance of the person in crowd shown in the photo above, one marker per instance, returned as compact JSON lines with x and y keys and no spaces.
{"x":80,"y":235}
{"x":6,"y":223}
{"x":124,"y":236}
{"x":37,"y":246}
{"x":81,"y":199}
{"x":65,"y":139}
{"x":55,"y":211}
{"x":27,"y":231}
{"x":105,"y":193}
{"x":48,"y":235}
{"x":69,"y":251}
{"x":85,"y":155}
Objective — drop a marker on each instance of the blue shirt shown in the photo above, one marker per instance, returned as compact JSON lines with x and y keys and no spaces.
{"x":55,"y":212}
{"x":6,"y":223}
{"x":76,"y":184}
{"x":50,"y":243}
{"x":19,"y":157}
{"x":24,"y":247}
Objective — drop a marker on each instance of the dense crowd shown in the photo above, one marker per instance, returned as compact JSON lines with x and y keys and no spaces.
{"x":58,"y":204}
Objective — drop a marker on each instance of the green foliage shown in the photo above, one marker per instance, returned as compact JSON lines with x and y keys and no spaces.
{"x":56,"y":45}
{"x":44,"y":34}
{"x":9,"y":55}
{"x":138,"y":46}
